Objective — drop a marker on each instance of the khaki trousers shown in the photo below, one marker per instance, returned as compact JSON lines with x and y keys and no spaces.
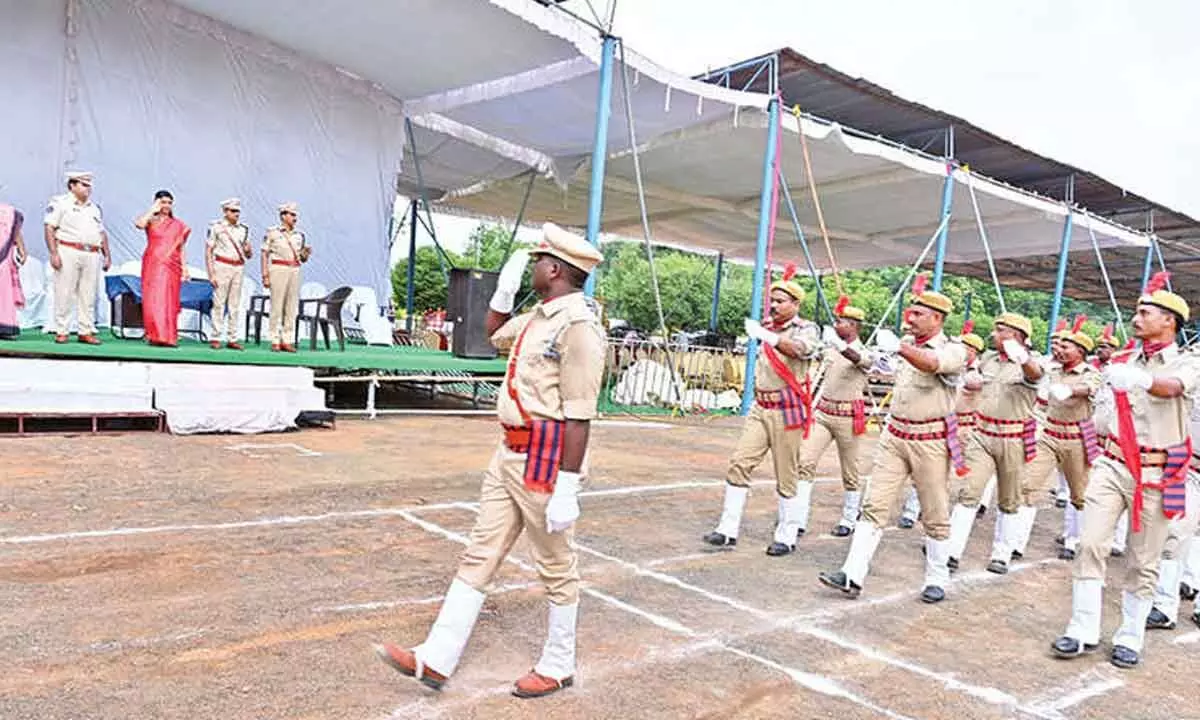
{"x":75,"y":289}
{"x":928,"y":462}
{"x":285,"y":303}
{"x":764,"y":430}
{"x":987,"y":456}
{"x":506,"y":507}
{"x":227,"y":295}
{"x":839,"y":430}
{"x":1110,"y":493}
{"x":1069,"y":456}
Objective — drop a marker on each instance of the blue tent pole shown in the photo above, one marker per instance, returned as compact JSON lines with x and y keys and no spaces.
{"x":1060,"y":281}
{"x":716,"y":298}
{"x":939,"y":258}
{"x":760,"y":254}
{"x":600,"y":150}
{"x":1149,"y":263}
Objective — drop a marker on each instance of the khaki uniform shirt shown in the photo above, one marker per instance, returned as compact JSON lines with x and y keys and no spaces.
{"x":281,"y":244}
{"x":801,"y":332}
{"x":846,"y":381}
{"x":1006,"y":394}
{"x":919,"y":396}
{"x":1073,"y":409}
{"x":1160,"y":422}
{"x":75,"y":223}
{"x":561,"y":362}
{"x":968,"y":400}
{"x":226,"y":240}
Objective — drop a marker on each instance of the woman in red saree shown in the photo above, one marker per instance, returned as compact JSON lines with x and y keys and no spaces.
{"x":12,"y":256}
{"x":163,"y":270}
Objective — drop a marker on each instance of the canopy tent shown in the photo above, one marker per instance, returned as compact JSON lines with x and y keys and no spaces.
{"x":881,"y":202}
{"x":213,"y":98}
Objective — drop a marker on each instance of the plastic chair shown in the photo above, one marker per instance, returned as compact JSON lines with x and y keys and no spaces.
{"x":325,"y":312}
{"x":259,"y":309}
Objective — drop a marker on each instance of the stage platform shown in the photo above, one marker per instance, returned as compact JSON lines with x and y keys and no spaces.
{"x":399,"y":359}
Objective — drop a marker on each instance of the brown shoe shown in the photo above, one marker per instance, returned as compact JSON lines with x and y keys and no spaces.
{"x":215,"y":345}
{"x":89,"y":339}
{"x":405,"y":662}
{"x":234,"y":346}
{"x":60,"y":339}
{"x":534,"y":685}
{"x":289,"y":348}
{"x":276,"y":347}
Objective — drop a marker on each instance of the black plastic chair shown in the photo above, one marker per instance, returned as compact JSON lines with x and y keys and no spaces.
{"x":257,"y":312}
{"x":324,"y":313}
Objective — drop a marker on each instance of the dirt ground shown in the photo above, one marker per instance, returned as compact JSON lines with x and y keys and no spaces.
{"x":151,"y":576}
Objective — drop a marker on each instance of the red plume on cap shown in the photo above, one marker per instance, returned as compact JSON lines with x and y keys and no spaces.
{"x":1158,"y":282}
{"x":842,"y":302}
{"x":968,"y":327}
{"x":1062,"y":325}
{"x":789,"y":271}
{"x":1079,"y":321}
{"x":919,"y":283}
{"x":1108,"y":332}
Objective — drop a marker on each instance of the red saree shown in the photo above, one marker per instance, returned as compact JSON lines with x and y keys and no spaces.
{"x":11,"y":297}
{"x":162,"y":274}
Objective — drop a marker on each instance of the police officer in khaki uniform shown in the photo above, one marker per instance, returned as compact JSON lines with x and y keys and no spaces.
{"x":226,"y":252}
{"x":1067,"y":438}
{"x":285,"y":249}
{"x":840,"y":415}
{"x":1181,"y":536}
{"x":1105,"y":347}
{"x":920,"y":440}
{"x":1154,"y":388}
{"x":548,"y":400}
{"x":78,"y":247}
{"x":1004,"y":439}
{"x":778,"y":420}
{"x":964,"y":408}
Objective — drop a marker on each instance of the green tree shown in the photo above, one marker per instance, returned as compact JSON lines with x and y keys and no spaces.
{"x":484,"y":250}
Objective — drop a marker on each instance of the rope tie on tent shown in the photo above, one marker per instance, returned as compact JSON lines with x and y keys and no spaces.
{"x":1112,"y":297}
{"x":812,"y":187}
{"x":912,"y":270}
{"x":987,"y":246}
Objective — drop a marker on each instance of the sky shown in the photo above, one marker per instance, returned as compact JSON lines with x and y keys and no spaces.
{"x":1108,"y":86}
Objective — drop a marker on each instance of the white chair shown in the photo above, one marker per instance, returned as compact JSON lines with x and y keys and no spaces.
{"x":39,"y":295}
{"x":361,"y":314}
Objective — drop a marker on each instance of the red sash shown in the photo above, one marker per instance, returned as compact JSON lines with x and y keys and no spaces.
{"x":954,"y":446}
{"x":859,"y":424}
{"x":1091,"y":444}
{"x":1174,"y":474}
{"x":544,"y":455}
{"x":797,"y":397}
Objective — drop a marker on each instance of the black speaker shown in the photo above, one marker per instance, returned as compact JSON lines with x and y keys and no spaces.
{"x":467,"y":307}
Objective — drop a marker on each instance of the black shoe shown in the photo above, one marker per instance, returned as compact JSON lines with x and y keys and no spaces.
{"x":839,"y":581}
{"x":1017,"y":555}
{"x":1065,"y":554}
{"x":1060,"y":503}
{"x":1158,"y":620}
{"x":1187,"y":593}
{"x":841,"y":531}
{"x":777,"y":549}
{"x":1123,"y":657}
{"x":998,"y":566}
{"x":906,"y":523}
{"x":981,"y":511}
{"x":1060,"y":540}
{"x":800,"y":533}
{"x":1068,"y":647}
{"x":716,"y":538}
{"x":952,"y":564}
{"x":1116,"y":553}
{"x":933,"y":594}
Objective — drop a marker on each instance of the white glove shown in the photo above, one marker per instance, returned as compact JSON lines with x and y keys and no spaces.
{"x":887,"y":341}
{"x":755,"y":330}
{"x":1061,"y":392}
{"x":1043,"y":392}
{"x":563,"y":508}
{"x":1127,"y":377}
{"x":1015,"y":351}
{"x":509,"y":282}
{"x":830,"y":337}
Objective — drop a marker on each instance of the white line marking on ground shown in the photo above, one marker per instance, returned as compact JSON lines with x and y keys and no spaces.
{"x":814,"y":682}
{"x":680,"y":558}
{"x":1090,"y":684}
{"x":405,"y":602}
{"x":1187,"y":638}
{"x":971,"y":579}
{"x":135,"y":643}
{"x":248,"y":448}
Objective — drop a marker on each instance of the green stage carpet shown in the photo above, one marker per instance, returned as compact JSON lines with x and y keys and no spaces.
{"x":356,"y":357}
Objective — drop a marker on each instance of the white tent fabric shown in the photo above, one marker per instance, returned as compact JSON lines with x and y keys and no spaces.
{"x":881,"y":202}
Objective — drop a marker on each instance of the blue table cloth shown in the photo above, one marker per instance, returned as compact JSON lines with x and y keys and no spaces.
{"x":193,"y":294}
